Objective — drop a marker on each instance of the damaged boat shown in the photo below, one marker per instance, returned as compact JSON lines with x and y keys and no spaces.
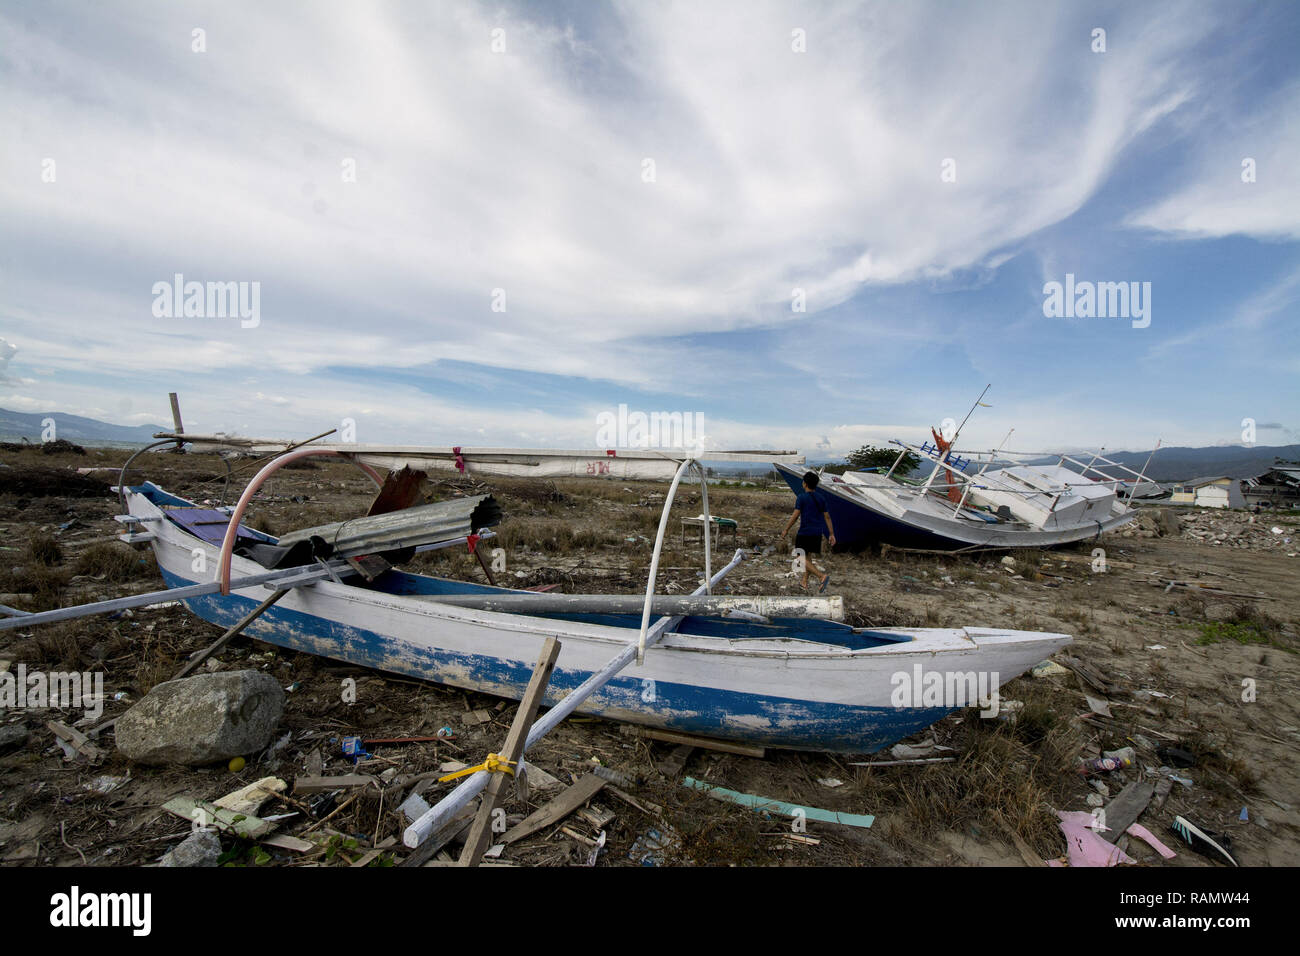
{"x":973,"y":500}
{"x":775,"y":671}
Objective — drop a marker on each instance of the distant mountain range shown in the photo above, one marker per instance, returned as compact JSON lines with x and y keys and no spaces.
{"x":1169,"y":464}
{"x":15,"y":426}
{"x":1228,"y":461}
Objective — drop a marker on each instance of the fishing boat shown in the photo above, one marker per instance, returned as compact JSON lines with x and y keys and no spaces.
{"x":976,"y":500}
{"x":776,"y":671}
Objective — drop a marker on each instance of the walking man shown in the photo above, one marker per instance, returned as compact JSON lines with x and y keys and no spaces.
{"x":814,"y":523}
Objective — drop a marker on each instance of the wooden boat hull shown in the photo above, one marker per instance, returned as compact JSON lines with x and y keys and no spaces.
{"x":803,"y":685}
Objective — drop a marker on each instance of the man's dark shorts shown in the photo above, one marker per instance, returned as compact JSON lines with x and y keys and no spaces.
{"x":811,"y":543}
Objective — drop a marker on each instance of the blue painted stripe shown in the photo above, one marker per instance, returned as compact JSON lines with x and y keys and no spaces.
{"x":765,"y":720}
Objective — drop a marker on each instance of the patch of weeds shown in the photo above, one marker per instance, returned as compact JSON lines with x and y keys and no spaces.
{"x":1243,"y":632}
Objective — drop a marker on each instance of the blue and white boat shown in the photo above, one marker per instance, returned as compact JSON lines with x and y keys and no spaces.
{"x":796,"y":683}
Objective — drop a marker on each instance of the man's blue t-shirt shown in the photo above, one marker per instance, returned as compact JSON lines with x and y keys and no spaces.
{"x":811,"y":506}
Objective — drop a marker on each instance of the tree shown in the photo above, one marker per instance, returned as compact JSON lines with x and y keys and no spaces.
{"x":869,"y":456}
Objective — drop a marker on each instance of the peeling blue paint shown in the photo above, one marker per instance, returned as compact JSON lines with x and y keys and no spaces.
{"x":781,"y":722}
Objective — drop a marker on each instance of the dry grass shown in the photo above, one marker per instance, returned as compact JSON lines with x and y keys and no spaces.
{"x":116,"y":562}
{"x":1009,"y":775}
{"x":43,"y":549}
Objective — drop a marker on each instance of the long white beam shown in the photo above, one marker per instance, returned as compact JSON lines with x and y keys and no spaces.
{"x":448,"y":806}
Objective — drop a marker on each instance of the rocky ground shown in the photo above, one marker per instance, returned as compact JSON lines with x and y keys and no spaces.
{"x":1184,"y":630}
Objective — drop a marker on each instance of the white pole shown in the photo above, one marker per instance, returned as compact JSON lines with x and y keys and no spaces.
{"x":448,"y":806}
{"x":654,"y":558}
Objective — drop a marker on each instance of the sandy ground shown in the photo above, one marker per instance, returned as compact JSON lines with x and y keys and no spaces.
{"x":1212,"y":673}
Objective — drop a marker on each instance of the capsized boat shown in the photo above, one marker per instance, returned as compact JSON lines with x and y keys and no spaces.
{"x":785,"y":682}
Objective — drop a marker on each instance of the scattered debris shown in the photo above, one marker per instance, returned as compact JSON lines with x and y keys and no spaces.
{"x":76,"y":745}
{"x":1084,"y":846}
{"x":557,"y":809}
{"x":1204,"y":841}
{"x":204,"y":814}
{"x":649,"y":848}
{"x":325,"y":784}
{"x":1142,"y":833}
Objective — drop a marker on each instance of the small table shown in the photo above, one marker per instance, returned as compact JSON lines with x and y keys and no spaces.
{"x":718,"y":526}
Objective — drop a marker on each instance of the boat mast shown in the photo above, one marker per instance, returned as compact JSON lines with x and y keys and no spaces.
{"x":952,"y":443}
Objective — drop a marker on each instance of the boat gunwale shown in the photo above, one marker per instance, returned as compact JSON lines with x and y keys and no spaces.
{"x":919,"y":642}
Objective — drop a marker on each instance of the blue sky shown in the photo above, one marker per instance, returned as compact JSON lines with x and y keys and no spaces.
{"x":131,"y":156}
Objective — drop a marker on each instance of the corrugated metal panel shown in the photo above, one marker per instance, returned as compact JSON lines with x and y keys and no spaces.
{"x":423,"y":524}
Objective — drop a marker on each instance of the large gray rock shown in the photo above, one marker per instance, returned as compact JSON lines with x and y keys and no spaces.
{"x":200,"y":848}
{"x":202,"y":719}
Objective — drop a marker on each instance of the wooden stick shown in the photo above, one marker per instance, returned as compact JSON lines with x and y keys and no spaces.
{"x":480,"y":834}
{"x":673,"y":737}
{"x":225,"y":638}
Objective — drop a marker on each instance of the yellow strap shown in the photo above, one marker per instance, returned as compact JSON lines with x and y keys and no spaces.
{"x":493,"y":764}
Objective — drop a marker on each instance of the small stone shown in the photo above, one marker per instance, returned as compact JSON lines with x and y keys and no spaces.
{"x":12,"y":735}
{"x":200,"y":848}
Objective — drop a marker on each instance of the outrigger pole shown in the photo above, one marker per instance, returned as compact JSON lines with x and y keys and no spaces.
{"x":438,"y":815}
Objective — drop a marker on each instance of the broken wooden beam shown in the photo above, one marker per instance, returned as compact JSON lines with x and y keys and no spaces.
{"x":565,"y":803}
{"x":1124,"y":810}
{"x":480,"y":834}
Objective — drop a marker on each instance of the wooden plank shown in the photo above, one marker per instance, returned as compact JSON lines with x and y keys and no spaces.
{"x":648,"y":808}
{"x":673,"y":765}
{"x":282,"y":841}
{"x":321,"y":784}
{"x":77,"y":740}
{"x":480,"y":834}
{"x":559,"y":808}
{"x":1123,"y":811}
{"x":374,"y":853}
{"x":673,"y":737}
{"x":209,"y":814}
